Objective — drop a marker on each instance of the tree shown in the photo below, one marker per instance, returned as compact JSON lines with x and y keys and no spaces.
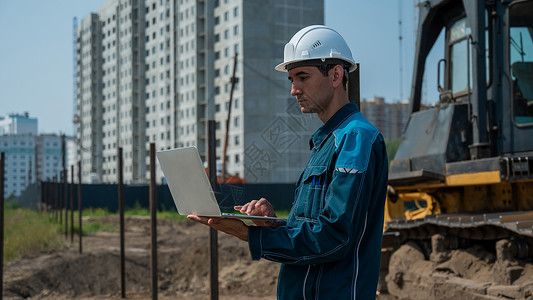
{"x":392,"y":147}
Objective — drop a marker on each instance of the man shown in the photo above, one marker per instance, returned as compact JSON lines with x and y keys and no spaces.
{"x":330,"y":246}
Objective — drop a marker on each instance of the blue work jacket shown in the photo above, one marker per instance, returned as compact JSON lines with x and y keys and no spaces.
{"x":330,"y":246}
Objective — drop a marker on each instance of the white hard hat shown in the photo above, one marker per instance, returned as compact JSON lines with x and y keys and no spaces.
{"x":316,"y":42}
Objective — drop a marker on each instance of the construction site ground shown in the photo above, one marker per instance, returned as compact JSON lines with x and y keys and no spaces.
{"x":183,"y":269}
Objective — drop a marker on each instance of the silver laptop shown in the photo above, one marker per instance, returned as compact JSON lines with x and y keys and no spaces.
{"x":190,"y":186}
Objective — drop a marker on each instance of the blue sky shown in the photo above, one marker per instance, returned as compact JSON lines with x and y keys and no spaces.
{"x":36,"y":53}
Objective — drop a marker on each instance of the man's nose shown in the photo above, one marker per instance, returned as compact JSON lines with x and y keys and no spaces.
{"x":295,"y":90}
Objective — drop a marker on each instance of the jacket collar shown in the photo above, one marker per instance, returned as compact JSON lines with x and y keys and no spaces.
{"x":325,"y":130}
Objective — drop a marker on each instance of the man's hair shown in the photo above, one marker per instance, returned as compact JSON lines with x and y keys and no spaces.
{"x":325,"y":68}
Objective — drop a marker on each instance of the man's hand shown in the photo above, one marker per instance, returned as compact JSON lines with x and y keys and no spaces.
{"x":259,"y":207}
{"x":233,"y":227}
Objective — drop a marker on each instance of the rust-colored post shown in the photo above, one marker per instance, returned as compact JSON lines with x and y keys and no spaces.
{"x":49,"y":198}
{"x":64,"y":187}
{"x":71,"y":204}
{"x":46,"y":189}
{"x":41,"y":184}
{"x":121,"y":212}
{"x":213,"y":237}
{"x":54,"y":197}
{"x":60,"y":198}
{"x":153,"y":220}
{"x":64,"y":180}
{"x":80,"y":231}
{"x":2,"y":166}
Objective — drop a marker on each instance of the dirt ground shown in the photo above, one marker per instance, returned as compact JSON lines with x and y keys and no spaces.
{"x":183,"y":269}
{"x":471,"y":273}
{"x":183,"y":266}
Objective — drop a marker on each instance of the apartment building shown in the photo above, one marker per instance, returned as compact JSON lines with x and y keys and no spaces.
{"x":89,"y":117}
{"x":389,"y":118}
{"x":155,"y":71}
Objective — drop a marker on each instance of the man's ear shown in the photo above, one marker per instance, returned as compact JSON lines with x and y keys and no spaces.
{"x":337,"y":74}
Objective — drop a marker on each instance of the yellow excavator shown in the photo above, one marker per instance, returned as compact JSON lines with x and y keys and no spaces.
{"x":464,"y":170}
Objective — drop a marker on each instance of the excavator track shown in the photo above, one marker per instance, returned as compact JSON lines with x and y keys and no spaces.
{"x":438,"y":240}
{"x":475,"y":226}
{"x":467,"y":229}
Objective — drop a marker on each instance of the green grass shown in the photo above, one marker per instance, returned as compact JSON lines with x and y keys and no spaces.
{"x":139,"y":211}
{"x":92,"y":227}
{"x":134,"y":211}
{"x":28,"y":233}
{"x":93,"y":212}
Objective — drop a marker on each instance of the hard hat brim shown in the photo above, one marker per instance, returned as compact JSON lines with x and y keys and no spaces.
{"x":283,"y":67}
{"x":286,"y":66}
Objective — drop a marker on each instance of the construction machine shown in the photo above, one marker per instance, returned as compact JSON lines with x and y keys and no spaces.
{"x":464,"y":169}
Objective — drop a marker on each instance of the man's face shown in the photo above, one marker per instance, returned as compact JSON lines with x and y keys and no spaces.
{"x":312,"y":90}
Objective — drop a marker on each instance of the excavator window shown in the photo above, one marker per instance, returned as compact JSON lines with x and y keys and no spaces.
{"x":460,"y":46}
{"x":521,"y":61}
{"x":461,"y":58}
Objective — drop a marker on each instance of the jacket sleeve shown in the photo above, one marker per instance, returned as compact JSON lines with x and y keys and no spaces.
{"x":341,"y":223}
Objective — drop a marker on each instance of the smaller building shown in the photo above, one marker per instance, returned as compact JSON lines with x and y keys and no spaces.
{"x":49,"y":157}
{"x":29,"y":157}
{"x":389,"y":118}
{"x":16,"y":124}
{"x":19,"y":162}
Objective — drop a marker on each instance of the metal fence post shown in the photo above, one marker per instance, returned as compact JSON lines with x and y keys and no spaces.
{"x":64,"y":187}
{"x":213,"y":235}
{"x":55,"y":197}
{"x":153,"y":219}
{"x":41,"y":185}
{"x":121,"y":212}
{"x":43,"y":196}
{"x":80,"y":231}
{"x":71,"y":204}
{"x":64,"y":180}
{"x":2,"y":165}
{"x":60,"y":198}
